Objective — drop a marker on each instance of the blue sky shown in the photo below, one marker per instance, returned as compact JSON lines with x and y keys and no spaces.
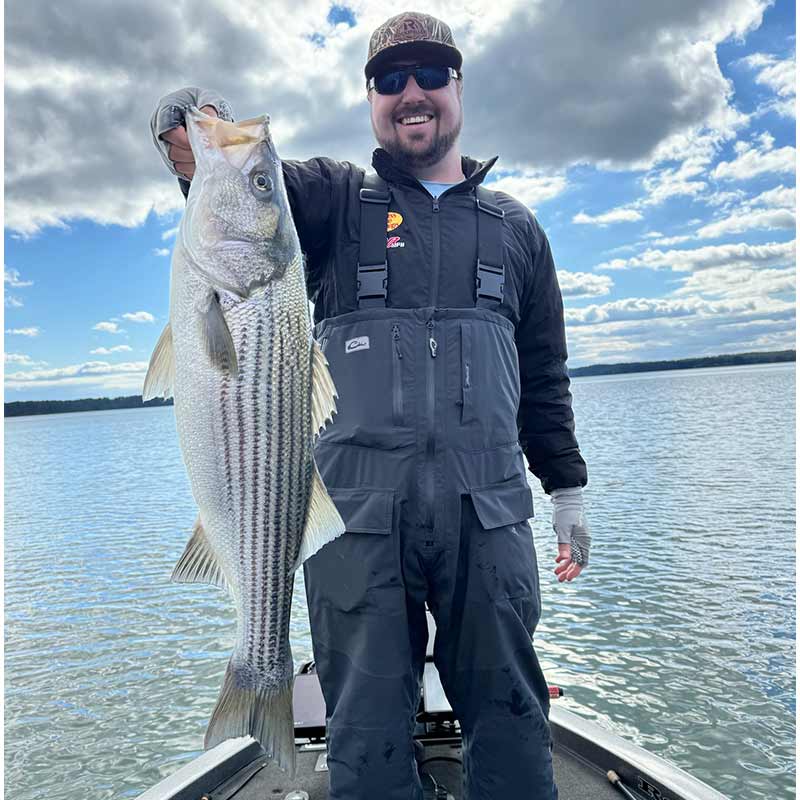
{"x":657,"y":150}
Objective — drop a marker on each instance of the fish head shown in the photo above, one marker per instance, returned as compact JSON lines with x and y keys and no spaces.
{"x":239,"y":231}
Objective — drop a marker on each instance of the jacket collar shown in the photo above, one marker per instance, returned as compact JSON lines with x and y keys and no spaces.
{"x":385,"y":166}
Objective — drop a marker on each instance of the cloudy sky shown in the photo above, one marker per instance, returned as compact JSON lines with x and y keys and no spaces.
{"x":655,"y":141}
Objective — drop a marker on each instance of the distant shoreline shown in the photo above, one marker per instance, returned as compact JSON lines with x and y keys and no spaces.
{"x":23,"y":408}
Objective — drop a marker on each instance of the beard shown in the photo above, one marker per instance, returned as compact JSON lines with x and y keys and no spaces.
{"x":408,"y":157}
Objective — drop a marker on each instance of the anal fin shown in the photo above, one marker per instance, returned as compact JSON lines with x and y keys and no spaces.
{"x":198,"y":564}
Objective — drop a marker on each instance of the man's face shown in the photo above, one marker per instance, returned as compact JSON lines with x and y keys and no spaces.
{"x":417,"y":145}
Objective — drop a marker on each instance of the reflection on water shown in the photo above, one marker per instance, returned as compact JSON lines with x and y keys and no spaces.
{"x":680,"y":635}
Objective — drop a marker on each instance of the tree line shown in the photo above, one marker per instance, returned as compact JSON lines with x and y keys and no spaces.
{"x":26,"y":407}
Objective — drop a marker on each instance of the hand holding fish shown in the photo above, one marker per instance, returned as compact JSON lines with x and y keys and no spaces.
{"x":180,"y":150}
{"x":168,"y":125}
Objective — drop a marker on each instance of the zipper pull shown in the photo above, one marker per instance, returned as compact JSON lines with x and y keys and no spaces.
{"x":396,"y":337}
{"x":431,"y":341}
{"x":435,"y":203}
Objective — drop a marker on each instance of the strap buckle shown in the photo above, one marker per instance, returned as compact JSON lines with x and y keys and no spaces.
{"x":371,"y":281}
{"x":489,"y":281}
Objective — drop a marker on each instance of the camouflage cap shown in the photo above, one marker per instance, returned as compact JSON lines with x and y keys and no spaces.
{"x":411,"y":34}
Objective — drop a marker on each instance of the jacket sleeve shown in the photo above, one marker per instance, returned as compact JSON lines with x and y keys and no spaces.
{"x":312,"y":187}
{"x":546,"y":422}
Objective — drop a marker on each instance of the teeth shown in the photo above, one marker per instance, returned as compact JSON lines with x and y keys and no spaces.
{"x":415,"y":120}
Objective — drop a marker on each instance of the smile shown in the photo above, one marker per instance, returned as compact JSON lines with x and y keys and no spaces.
{"x":421,"y":119}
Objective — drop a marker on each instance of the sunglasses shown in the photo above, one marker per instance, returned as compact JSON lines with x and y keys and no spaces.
{"x":428,"y":78}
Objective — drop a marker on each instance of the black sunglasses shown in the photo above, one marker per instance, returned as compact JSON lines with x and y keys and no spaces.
{"x":427,"y":78}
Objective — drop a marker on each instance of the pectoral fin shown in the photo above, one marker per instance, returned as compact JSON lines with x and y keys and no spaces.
{"x":323,"y":392}
{"x":323,"y":521}
{"x":198,"y":564}
{"x":160,"y":376}
{"x":217,"y":338}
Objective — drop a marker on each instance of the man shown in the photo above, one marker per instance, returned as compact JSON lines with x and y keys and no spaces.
{"x":438,"y":307}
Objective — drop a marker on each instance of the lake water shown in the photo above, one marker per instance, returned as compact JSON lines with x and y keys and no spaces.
{"x":679,"y":635}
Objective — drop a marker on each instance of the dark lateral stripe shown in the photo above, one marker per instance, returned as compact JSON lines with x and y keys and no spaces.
{"x":256,"y":428}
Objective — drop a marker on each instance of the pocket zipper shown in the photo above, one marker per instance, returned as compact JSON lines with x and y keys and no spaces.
{"x":397,"y":377}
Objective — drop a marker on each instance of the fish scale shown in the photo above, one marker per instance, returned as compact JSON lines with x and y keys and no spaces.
{"x":251,"y":390}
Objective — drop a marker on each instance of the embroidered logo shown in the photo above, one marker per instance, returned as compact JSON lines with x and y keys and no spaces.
{"x":393,"y":220}
{"x":394,"y":241}
{"x":359,"y":343}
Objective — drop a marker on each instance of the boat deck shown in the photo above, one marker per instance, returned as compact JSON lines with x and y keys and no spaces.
{"x":262,"y":779}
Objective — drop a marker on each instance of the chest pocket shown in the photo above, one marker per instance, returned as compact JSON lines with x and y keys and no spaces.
{"x":372,"y":365}
{"x":484,"y":385}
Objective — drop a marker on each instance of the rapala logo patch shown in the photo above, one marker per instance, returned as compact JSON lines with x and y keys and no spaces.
{"x":393,"y":220}
{"x":359,"y":343}
{"x":394,"y":241}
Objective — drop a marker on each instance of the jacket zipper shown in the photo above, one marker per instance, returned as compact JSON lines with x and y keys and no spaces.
{"x":430,"y":450}
{"x":435,"y":277}
{"x":397,"y":377}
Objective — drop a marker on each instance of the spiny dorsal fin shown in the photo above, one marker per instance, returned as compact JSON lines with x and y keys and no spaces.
{"x":160,"y":376}
{"x":323,"y":392}
{"x":198,"y":564}
{"x":323,"y":521}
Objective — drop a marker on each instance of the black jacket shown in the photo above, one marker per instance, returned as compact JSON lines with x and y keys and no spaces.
{"x":324,"y":198}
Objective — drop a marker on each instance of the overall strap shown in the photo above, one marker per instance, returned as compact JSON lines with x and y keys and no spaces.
{"x":372,"y":265}
{"x":490,"y":270}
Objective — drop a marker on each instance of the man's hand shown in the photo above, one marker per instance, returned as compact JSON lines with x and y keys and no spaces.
{"x":567,"y":570}
{"x":179,"y":150}
{"x":168,"y":125}
{"x":569,"y":523}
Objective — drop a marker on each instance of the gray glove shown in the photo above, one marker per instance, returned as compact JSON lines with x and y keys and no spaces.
{"x":171,"y":110}
{"x":569,"y":522}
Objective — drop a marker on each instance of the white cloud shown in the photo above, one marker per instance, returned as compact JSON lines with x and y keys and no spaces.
{"x":749,"y":219}
{"x":107,"y":351}
{"x":583,"y":284}
{"x":741,"y":284}
{"x":730,"y":255}
{"x":779,"y":197}
{"x":609,"y":217}
{"x":101,"y":373}
{"x":168,"y":234}
{"x":161,"y":251}
{"x":12,"y":278}
{"x":22,"y":360}
{"x":756,"y":159}
{"x":107,"y":327}
{"x":12,"y":302}
{"x":778,"y":75}
{"x":666,"y":241}
{"x":531,"y":187}
{"x":139,"y":316}
{"x":32,"y":331}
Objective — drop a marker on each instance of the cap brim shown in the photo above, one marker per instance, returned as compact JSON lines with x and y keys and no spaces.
{"x":442,"y":54}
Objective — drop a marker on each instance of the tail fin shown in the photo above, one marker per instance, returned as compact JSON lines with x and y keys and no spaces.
{"x":266,"y":714}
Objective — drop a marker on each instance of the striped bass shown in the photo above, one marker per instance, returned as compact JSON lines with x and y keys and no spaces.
{"x":252,"y":390}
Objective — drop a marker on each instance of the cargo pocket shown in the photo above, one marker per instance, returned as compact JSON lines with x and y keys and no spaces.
{"x":502,"y":544}
{"x":355,"y":570}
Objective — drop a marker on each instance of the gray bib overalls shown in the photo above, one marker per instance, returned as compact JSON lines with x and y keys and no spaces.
{"x":423,"y":461}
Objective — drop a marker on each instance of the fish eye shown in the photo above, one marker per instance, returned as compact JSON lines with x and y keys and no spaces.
{"x":262,"y":182}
